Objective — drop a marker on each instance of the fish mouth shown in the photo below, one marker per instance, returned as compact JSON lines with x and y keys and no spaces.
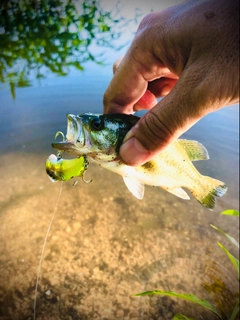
{"x":75,"y":137}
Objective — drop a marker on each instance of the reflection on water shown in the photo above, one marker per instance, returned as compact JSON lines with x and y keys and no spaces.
{"x":104,"y":244}
{"x":57,"y":35}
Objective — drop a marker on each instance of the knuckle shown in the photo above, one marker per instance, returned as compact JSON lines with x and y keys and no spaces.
{"x":147,"y":21}
{"x":154,"y":132}
{"x":117,"y":63}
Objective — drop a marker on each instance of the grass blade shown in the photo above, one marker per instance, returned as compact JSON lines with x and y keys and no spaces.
{"x":181,"y":317}
{"x":235,"y":311}
{"x":188,"y":297}
{"x":227,"y":235}
{"x":231,"y":212}
{"x":234,"y":260}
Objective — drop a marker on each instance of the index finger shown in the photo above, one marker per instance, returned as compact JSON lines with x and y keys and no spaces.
{"x":130,"y":81}
{"x":126,"y":87}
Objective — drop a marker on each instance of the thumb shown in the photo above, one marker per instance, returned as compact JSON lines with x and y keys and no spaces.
{"x":187,"y":103}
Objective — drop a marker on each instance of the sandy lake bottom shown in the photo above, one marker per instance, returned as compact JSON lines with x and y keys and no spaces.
{"x":104,"y":246}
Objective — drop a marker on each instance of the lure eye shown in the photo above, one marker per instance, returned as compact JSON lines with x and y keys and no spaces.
{"x":97,"y":124}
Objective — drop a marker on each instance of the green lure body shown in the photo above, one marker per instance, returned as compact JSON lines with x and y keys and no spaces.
{"x":60,"y":169}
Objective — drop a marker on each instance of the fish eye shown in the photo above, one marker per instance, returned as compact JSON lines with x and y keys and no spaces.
{"x":96,"y":124}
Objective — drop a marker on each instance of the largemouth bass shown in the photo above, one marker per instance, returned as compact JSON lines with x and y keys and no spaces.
{"x":99,"y":137}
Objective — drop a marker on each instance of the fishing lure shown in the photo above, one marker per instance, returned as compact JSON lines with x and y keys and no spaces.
{"x":60,"y":169}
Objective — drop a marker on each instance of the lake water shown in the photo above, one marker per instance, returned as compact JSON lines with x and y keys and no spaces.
{"x":104,"y":245}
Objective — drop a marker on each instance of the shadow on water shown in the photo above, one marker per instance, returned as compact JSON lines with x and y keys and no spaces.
{"x":104,"y":244}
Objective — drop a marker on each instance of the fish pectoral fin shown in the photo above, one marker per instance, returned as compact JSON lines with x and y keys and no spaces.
{"x":135,"y":187}
{"x":179,"y":192}
{"x":195,"y":150}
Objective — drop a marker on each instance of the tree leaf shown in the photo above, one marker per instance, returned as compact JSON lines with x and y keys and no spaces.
{"x":188,"y":297}
{"x":234,"y":260}
{"x":181,"y":317}
{"x":227,"y":235}
{"x":12,"y":90}
{"x":54,"y":36}
{"x":231,"y":212}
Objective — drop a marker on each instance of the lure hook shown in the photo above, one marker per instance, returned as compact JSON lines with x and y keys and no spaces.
{"x":75,"y":182}
{"x":86,"y":181}
{"x":59,"y":156}
{"x":59,"y":133}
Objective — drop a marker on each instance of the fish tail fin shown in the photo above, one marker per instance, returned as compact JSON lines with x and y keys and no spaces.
{"x":211,"y":188}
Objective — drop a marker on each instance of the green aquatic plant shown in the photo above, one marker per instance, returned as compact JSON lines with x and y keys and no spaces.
{"x":181,"y":317}
{"x":52,"y":36}
{"x":187,"y":297}
{"x":192,"y":298}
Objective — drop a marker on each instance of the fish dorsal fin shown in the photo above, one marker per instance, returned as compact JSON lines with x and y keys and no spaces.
{"x":135,"y":187}
{"x":179,"y":192}
{"x":195,"y":150}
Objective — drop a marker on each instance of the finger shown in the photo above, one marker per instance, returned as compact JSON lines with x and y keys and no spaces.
{"x":124,"y":89}
{"x":131,"y":79}
{"x":156,"y":89}
{"x":188,"y":101}
{"x":146,"y":102}
{"x":161,"y":87}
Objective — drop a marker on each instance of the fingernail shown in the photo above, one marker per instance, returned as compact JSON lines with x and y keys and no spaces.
{"x":133,"y":153}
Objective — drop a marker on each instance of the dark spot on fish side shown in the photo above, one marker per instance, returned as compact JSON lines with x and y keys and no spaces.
{"x":148,"y":165}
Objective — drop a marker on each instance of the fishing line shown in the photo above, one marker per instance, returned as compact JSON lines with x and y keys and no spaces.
{"x":43,"y":249}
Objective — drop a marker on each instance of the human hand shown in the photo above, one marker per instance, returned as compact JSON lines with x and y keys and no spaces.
{"x":187,"y":54}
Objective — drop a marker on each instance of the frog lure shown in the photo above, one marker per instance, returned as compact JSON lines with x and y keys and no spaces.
{"x":60,"y":169}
